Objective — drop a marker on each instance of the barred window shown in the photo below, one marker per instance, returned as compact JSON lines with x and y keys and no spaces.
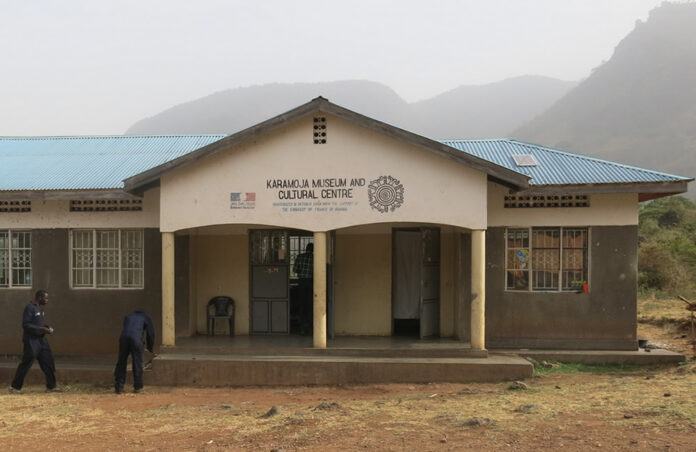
{"x":107,"y":258}
{"x":554,"y":259}
{"x":15,"y":258}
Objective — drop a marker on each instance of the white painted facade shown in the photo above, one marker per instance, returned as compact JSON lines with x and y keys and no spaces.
{"x":436,"y":190}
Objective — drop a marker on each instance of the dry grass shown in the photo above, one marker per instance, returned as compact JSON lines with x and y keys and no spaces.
{"x":568,"y":404}
{"x":567,"y":407}
{"x":653,"y":310}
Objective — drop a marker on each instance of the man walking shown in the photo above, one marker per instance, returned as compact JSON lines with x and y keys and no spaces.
{"x":135,"y":326}
{"x":35,"y":344}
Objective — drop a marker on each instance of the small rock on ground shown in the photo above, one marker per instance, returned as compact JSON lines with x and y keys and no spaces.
{"x":526,"y":409}
{"x":517,"y":386}
{"x":477,"y":422}
{"x":272,"y":412}
{"x":327,"y":406}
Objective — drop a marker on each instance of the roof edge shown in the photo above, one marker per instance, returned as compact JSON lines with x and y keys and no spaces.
{"x":108,"y":193}
{"x":597,"y":159}
{"x":662,"y":188}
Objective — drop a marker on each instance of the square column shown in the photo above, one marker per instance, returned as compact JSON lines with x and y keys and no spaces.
{"x":478,"y":290}
{"x":168,"y":288}
{"x":319,"y":332}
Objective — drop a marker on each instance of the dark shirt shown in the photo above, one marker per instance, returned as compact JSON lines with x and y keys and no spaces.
{"x":137,"y":323}
{"x":33,"y":321}
{"x":304,"y":265}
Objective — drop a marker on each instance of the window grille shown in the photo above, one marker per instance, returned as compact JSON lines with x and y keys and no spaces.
{"x":546,"y":259}
{"x":512,"y":202}
{"x":15,"y":258}
{"x":107,"y":258}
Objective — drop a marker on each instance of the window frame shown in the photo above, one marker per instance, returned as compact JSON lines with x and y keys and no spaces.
{"x":530,"y":268}
{"x":10,"y":268}
{"x":94,"y":259}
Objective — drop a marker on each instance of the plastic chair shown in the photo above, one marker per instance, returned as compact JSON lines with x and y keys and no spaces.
{"x":220,"y":307}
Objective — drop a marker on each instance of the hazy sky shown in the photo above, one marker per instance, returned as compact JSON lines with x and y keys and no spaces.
{"x":96,"y":67}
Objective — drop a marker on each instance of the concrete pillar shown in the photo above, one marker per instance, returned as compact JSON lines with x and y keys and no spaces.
{"x":478,"y":290}
{"x":168,"y":288}
{"x":319,"y":290}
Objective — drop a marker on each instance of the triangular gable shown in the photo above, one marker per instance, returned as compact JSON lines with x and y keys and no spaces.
{"x":498,"y":173}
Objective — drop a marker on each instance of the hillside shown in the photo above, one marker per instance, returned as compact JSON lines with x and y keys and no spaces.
{"x":640,"y":106}
{"x":468,"y":111}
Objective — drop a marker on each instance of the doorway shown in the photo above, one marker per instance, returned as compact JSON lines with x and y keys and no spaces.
{"x":269,"y":281}
{"x":281,"y":290}
{"x":416,"y":282}
{"x":301,"y":282}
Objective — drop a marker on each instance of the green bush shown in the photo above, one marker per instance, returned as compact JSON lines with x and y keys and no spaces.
{"x":667,"y":250}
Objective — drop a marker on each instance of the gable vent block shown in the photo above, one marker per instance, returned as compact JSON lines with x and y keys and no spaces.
{"x":319,"y":130}
{"x":525,"y":160}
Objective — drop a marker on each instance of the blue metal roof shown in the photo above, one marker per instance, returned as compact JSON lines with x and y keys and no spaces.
{"x":84,"y":163}
{"x":103,"y":162}
{"x":557,"y":167}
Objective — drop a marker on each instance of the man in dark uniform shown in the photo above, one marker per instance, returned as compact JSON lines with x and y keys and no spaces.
{"x":135,"y":326}
{"x":35,"y":344}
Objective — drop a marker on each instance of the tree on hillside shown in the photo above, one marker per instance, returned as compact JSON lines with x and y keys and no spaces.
{"x":667,"y":251}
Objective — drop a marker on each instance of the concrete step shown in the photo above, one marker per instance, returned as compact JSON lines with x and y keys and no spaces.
{"x":641,"y":357}
{"x":267,"y":370}
{"x":284,"y":370}
{"x":429,"y":352}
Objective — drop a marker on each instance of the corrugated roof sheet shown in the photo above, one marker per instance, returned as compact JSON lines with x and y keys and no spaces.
{"x":103,"y":162}
{"x":84,"y":163}
{"x":557,"y":167}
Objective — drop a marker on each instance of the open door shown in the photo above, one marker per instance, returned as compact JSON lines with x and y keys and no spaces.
{"x":430,"y":282}
{"x":416,"y":282}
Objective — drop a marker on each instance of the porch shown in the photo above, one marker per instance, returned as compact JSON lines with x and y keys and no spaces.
{"x":376,"y":281}
{"x":293,"y":360}
{"x":296,"y":345}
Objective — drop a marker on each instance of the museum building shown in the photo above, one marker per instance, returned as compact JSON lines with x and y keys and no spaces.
{"x":495,"y":243}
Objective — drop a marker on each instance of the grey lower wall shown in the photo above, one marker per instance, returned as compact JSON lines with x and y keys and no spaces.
{"x":604,"y":318}
{"x":88,"y":321}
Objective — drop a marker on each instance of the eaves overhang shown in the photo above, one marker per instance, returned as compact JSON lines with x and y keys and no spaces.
{"x":113,"y":193}
{"x":645,"y":190}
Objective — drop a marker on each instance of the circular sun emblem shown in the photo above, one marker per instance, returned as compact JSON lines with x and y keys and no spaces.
{"x":386,"y":194}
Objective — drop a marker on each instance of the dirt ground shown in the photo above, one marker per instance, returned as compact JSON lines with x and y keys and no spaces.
{"x":566,"y":407}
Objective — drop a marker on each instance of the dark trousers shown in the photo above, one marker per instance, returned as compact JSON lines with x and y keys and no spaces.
{"x":36,"y":349}
{"x":306,"y":296}
{"x":134,"y":347}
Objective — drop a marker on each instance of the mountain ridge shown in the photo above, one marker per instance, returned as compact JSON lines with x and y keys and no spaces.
{"x":232,"y":110}
{"x":639,"y":107}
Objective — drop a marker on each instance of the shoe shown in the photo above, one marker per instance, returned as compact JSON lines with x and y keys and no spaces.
{"x":56,"y":389}
{"x":118,"y":390}
{"x":14,"y":390}
{"x":138,"y":391}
